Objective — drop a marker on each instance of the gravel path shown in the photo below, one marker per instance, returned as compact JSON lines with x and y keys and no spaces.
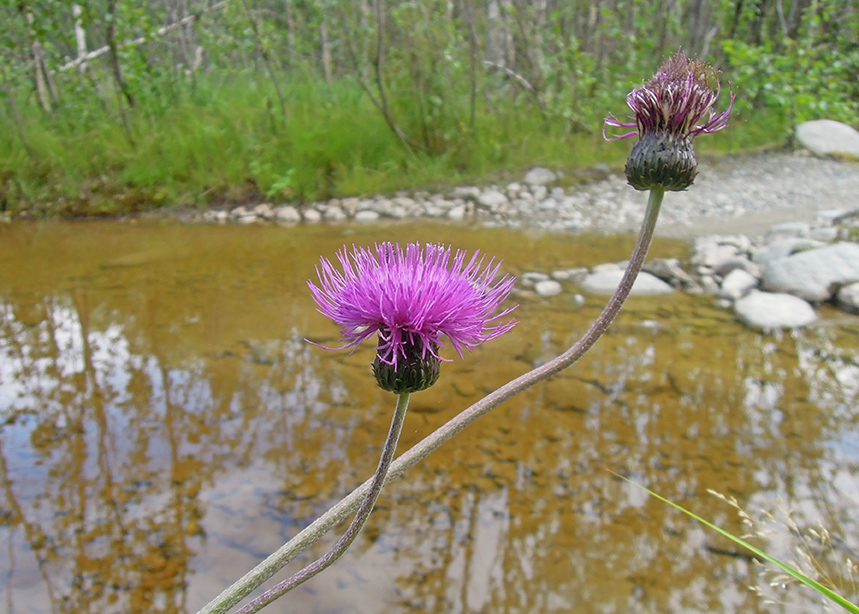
{"x":735,"y":195}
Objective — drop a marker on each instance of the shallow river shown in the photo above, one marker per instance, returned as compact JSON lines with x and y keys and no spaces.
{"x":164,"y":426}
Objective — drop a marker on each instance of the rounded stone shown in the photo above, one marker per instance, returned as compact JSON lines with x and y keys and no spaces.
{"x":540,"y":176}
{"x":287,"y":215}
{"x":848,"y":297}
{"x":311,"y":216}
{"x":335,"y":214}
{"x":457,"y":213}
{"x":547,"y":288}
{"x":769,"y":311}
{"x":366,"y":216}
{"x":606,"y":282}
{"x":738,"y":283}
{"x":826,"y":137}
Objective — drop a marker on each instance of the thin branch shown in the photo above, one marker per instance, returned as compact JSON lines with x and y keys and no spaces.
{"x":380,"y":83}
{"x":380,"y":103}
{"x":138,"y":41}
{"x":512,"y":74}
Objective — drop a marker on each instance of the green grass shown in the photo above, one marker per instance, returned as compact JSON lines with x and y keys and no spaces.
{"x":224,"y":140}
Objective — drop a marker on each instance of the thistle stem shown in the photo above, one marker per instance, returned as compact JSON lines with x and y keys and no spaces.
{"x":287,"y":552}
{"x":366,"y":507}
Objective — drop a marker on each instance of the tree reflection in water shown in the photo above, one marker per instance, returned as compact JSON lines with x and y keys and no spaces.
{"x":163,"y":426}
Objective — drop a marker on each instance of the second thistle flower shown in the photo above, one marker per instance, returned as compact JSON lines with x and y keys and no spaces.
{"x":411,"y":299}
{"x":670,"y":109}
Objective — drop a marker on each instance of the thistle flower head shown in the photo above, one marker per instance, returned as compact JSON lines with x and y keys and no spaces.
{"x":411,"y":299}
{"x":670,"y":109}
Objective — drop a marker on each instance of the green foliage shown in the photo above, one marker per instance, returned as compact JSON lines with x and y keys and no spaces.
{"x":307,"y":99}
{"x":799,"y":82}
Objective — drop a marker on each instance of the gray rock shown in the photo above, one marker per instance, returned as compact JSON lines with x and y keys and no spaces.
{"x":521,"y":205}
{"x":737,"y":262}
{"x":783,"y":248}
{"x":737,"y":283}
{"x":547,"y":288}
{"x":335,"y":214}
{"x":550,"y":204}
{"x":248,"y":218}
{"x":787,"y":230}
{"x":240,"y":211}
{"x":396,"y":211}
{"x":287,"y":215}
{"x":606,"y":266}
{"x":709,"y":285}
{"x":709,"y":252}
{"x":491,"y":199}
{"x":457,"y":213}
{"x":365,"y":215}
{"x":826,"y":234}
{"x":577,"y":273}
{"x":540,"y":176}
{"x":669,"y":270}
{"x":768,"y":311}
{"x":533,"y":277}
{"x":829,"y":216}
{"x":606,"y":282}
{"x":848,"y":297}
{"x":466,"y":192}
{"x":826,"y":137}
{"x":539,"y":192}
{"x":264,"y":211}
{"x":350,"y":205}
{"x":311,"y":216}
{"x":814,"y":275}
{"x":405,"y":202}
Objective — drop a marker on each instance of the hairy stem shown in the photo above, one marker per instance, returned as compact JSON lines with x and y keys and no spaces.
{"x":330,"y":557}
{"x":287,"y":552}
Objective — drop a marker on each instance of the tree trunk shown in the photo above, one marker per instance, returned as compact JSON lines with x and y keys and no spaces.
{"x":113,"y":48}
{"x":41,"y":80}
{"x":80,"y":36}
{"x":326,"y":52}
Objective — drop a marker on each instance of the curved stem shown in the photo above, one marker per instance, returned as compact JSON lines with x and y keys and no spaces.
{"x":358,"y":522}
{"x":277,"y":560}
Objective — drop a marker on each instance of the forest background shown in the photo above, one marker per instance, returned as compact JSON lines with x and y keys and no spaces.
{"x":115,"y":106}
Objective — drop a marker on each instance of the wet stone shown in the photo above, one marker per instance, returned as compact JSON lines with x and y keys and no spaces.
{"x":769,"y":311}
{"x":547,"y":288}
{"x":287,"y":215}
{"x":366,"y":216}
{"x":738,"y":283}
{"x":848,"y":298}
{"x":606,"y":282}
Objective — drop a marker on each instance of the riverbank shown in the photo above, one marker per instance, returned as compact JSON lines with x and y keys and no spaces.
{"x":733,"y":194}
{"x":773,"y":234}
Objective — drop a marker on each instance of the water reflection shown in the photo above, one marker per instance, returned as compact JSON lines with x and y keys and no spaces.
{"x":163,"y":426}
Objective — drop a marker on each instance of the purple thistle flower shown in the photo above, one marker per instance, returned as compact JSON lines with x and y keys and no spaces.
{"x":411,"y":300}
{"x":670,"y":109}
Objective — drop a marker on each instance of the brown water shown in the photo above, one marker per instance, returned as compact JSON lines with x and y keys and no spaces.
{"x":163,"y":427}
